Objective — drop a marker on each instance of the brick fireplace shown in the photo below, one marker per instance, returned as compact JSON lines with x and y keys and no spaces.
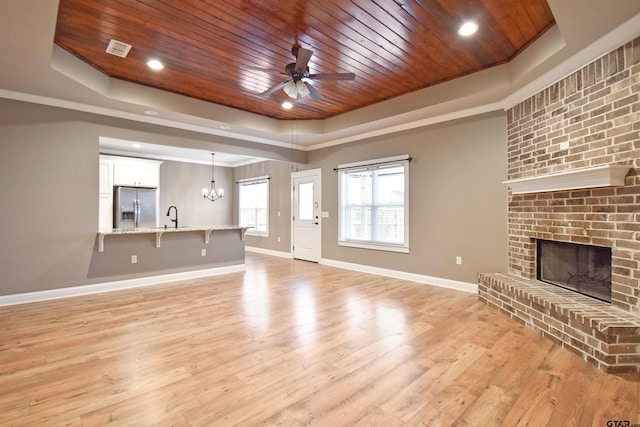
{"x":590,"y":120}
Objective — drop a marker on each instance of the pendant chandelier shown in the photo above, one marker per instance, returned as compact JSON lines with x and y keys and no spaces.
{"x":211,"y":193}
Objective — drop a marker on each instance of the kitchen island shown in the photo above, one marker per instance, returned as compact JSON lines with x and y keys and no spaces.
{"x":159,"y":231}
{"x":133,"y":258}
{"x":156,"y":254}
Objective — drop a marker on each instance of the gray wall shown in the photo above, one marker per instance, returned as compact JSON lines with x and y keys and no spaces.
{"x":458,"y":204}
{"x":49,"y":213}
{"x":279,"y":202}
{"x":181,"y":185}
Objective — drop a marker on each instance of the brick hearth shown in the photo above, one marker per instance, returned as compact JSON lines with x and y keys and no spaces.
{"x":603,"y":335}
{"x":590,"y":118}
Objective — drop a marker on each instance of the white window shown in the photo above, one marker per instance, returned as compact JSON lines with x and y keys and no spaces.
{"x":374,"y":201}
{"x":253,"y":205}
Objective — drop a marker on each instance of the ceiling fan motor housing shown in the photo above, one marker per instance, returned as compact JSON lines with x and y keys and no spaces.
{"x":290,"y":70}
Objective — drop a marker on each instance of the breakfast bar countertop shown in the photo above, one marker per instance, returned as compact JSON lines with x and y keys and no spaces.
{"x":159,"y":231}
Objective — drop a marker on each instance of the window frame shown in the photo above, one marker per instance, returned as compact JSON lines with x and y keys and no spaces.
{"x":246,"y":183}
{"x":375,"y":164}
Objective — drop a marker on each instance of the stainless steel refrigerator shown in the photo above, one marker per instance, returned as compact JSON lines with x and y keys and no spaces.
{"x":134,"y":207}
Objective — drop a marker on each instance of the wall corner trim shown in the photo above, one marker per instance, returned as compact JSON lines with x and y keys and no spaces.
{"x":420,"y":278}
{"x":74,"y":291}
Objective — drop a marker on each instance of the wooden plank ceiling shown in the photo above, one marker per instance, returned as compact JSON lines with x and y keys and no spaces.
{"x":393,"y":47}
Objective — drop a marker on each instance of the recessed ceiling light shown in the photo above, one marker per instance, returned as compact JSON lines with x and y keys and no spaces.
{"x":136,"y":145}
{"x":468,"y":28}
{"x":154,"y":64}
{"x":151,"y":113}
{"x":287,"y":105}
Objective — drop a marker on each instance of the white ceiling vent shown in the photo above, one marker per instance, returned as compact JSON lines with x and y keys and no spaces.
{"x":117,"y":48}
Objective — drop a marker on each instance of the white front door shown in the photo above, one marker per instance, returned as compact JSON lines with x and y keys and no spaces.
{"x":306,"y":228}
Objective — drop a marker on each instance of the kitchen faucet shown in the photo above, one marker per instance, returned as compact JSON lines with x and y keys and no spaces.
{"x":169,"y":213}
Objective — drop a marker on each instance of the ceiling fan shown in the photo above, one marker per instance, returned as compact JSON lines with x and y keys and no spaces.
{"x":298,"y":84}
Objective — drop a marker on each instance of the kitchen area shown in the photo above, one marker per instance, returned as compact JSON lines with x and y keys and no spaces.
{"x":153,"y":214}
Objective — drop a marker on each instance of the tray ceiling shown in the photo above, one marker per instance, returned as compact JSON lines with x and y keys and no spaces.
{"x":394,"y":47}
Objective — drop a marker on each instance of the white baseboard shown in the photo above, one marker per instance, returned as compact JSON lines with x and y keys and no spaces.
{"x":27,"y":297}
{"x":428,"y":280}
{"x":268,"y":252}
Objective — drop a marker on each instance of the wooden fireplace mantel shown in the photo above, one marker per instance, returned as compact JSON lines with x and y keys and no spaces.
{"x":598,"y":176}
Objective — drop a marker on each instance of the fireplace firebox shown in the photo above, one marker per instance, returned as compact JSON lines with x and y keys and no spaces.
{"x":581,"y":268}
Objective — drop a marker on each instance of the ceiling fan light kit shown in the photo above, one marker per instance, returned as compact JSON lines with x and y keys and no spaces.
{"x":296,"y":89}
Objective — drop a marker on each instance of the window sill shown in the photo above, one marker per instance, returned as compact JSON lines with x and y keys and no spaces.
{"x":375,"y":246}
{"x":257,"y":234}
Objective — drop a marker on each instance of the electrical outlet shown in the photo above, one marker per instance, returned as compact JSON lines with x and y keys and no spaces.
{"x":134,"y":259}
{"x":203,"y":252}
{"x":459,"y":260}
{"x":278,"y":239}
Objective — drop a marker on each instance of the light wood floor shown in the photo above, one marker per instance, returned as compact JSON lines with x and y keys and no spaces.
{"x":292,"y":343}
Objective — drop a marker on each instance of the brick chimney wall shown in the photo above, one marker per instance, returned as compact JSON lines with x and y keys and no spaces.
{"x":590,"y":118}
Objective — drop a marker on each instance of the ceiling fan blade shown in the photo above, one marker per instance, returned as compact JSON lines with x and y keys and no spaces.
{"x":275,"y":88}
{"x":333,"y":76}
{"x":263,"y":70}
{"x":302,"y":60}
{"x":315,"y":95}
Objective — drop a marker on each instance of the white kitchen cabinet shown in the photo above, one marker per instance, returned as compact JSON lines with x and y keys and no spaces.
{"x":105,"y":211}
{"x":105,"y":196}
{"x":106,"y":176}
{"x":134,"y":172}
